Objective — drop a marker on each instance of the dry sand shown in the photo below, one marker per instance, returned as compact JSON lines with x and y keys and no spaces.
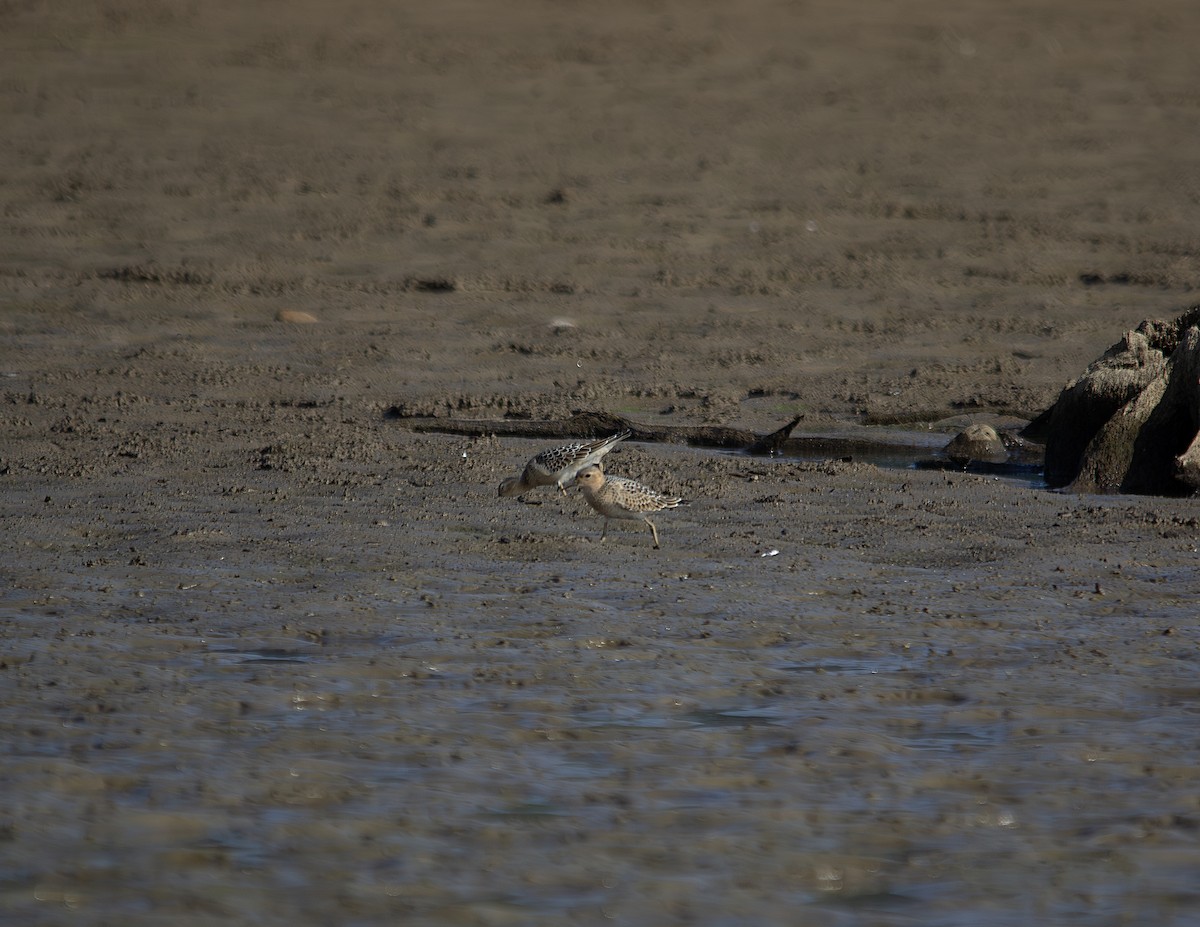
{"x":270,"y":657}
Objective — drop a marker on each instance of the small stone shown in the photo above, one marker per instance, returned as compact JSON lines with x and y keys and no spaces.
{"x":978,"y":443}
{"x":295,"y":317}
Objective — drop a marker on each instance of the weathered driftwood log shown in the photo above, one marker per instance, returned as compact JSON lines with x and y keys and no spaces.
{"x":1129,"y":423}
{"x":593,"y":424}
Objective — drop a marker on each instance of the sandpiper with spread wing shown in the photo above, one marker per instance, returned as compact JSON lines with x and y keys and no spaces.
{"x":558,"y":466}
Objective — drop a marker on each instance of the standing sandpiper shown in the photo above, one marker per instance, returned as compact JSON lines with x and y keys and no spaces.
{"x":618,"y":497}
{"x":559,"y":465}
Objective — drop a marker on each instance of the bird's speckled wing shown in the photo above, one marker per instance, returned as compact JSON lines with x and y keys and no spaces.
{"x":564,"y":462}
{"x":619,"y":492}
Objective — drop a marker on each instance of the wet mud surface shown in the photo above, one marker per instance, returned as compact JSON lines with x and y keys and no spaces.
{"x":269,"y":655}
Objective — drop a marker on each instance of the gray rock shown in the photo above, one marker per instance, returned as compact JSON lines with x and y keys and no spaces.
{"x":1129,"y":423}
{"x":976,"y":443}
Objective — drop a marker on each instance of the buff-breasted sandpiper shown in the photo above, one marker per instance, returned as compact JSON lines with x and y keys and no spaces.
{"x":619,"y":497}
{"x":558,"y":466}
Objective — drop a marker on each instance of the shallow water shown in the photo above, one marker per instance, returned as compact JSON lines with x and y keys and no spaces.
{"x":900,"y":449}
{"x":484,"y":734}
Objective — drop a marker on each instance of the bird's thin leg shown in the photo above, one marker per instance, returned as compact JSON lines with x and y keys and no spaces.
{"x":605,"y":531}
{"x":653,"y":531}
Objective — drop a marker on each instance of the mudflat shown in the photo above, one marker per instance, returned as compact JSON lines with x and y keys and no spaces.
{"x":269,"y":654}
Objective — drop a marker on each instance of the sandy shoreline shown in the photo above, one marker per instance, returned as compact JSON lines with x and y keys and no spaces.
{"x":269,"y":655}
